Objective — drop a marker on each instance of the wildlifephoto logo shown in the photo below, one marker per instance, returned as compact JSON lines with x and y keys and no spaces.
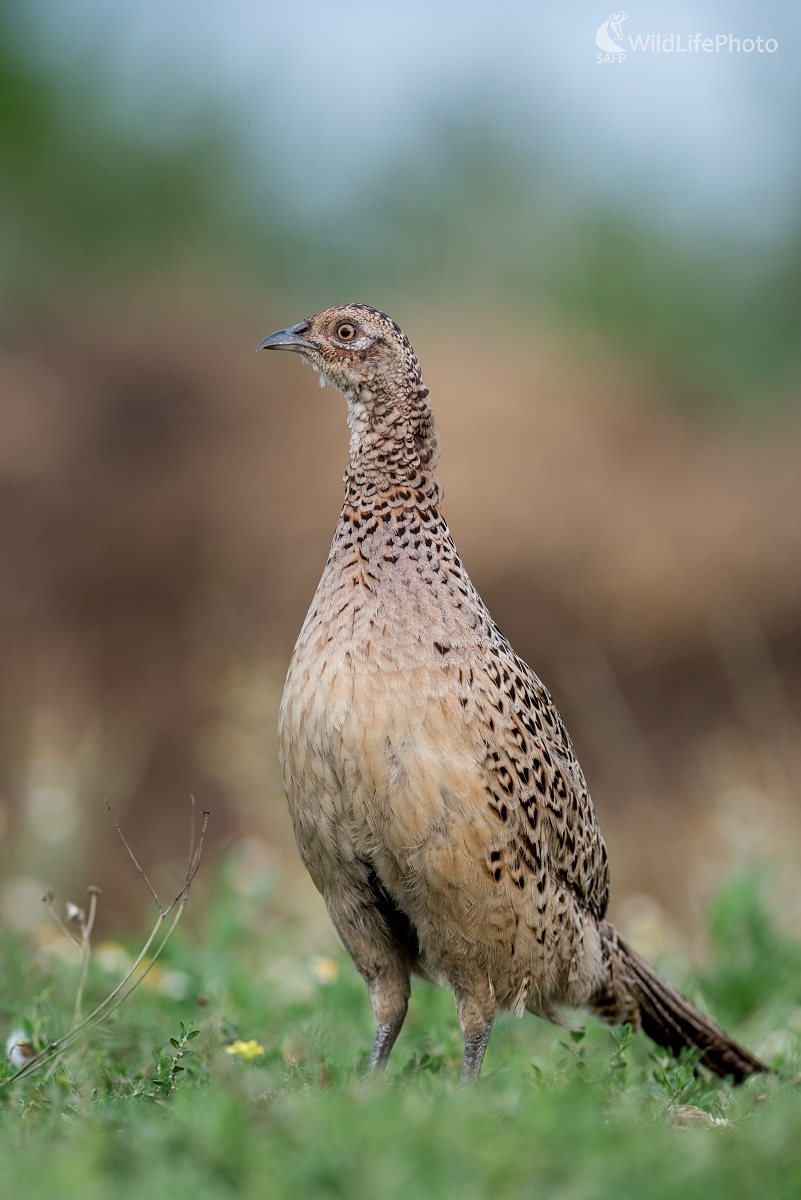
{"x":609,"y":38}
{"x":613,"y":45}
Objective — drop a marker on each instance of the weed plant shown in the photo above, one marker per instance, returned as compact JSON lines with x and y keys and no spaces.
{"x":248,"y":1080}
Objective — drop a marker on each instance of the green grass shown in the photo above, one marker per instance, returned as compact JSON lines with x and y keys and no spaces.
{"x":129,"y":1113}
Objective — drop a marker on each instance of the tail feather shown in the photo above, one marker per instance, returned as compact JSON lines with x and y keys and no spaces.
{"x":635,"y":988}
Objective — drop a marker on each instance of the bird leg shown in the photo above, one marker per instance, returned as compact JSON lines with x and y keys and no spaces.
{"x":476,"y":1009}
{"x":474,"y":1047}
{"x":385,"y":1039}
{"x":380,"y":959}
{"x":389,"y":999}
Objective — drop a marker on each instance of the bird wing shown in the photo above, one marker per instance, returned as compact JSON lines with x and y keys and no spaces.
{"x":537,"y":785}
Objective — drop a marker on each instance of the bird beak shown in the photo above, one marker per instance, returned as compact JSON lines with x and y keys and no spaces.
{"x":287,"y":339}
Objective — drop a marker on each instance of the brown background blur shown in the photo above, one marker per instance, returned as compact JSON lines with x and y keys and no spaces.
{"x":168,"y":501}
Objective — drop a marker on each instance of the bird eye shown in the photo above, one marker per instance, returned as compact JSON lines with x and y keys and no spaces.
{"x":346,"y":332}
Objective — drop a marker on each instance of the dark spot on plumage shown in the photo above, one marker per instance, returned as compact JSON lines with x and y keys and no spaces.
{"x":499,"y":808}
{"x":506,"y":781}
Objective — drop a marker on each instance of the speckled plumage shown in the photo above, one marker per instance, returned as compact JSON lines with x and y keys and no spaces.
{"x":436,"y":799}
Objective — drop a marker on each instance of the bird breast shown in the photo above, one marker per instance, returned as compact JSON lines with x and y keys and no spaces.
{"x":374,"y":735}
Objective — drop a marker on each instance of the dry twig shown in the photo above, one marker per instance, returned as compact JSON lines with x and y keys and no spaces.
{"x":157,"y":938}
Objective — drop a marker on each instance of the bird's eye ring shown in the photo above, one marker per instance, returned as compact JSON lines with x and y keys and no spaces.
{"x":346,"y":332}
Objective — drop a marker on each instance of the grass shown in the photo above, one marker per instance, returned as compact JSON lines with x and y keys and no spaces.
{"x":241,"y":1073}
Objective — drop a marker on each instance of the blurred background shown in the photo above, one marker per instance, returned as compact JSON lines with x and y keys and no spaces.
{"x":599,"y":266}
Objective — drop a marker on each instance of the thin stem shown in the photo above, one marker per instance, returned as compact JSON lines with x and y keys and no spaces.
{"x":48,"y":899}
{"x":133,"y":858}
{"x":130,"y":980}
{"x":86,"y":950}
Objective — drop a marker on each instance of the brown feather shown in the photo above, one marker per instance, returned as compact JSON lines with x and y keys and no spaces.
{"x":437,"y":801}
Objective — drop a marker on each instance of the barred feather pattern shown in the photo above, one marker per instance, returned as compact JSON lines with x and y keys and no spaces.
{"x":435,"y":794}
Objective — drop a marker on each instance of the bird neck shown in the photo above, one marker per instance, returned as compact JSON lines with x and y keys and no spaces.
{"x":393,"y":443}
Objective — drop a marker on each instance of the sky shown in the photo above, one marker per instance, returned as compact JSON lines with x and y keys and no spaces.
{"x":335,"y":91}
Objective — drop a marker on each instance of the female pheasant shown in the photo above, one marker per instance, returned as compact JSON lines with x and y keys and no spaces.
{"x":436,"y":799}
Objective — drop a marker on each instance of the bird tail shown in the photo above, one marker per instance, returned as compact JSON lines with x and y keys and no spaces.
{"x":635,"y":992}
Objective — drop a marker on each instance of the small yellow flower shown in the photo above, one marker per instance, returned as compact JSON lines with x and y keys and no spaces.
{"x":325,"y":971}
{"x":247,"y":1050}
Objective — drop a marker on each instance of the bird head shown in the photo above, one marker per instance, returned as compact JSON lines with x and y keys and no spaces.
{"x":354,"y":347}
{"x":364,"y":354}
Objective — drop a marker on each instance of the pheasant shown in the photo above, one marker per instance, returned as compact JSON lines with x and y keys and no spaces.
{"x":435,"y":796}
